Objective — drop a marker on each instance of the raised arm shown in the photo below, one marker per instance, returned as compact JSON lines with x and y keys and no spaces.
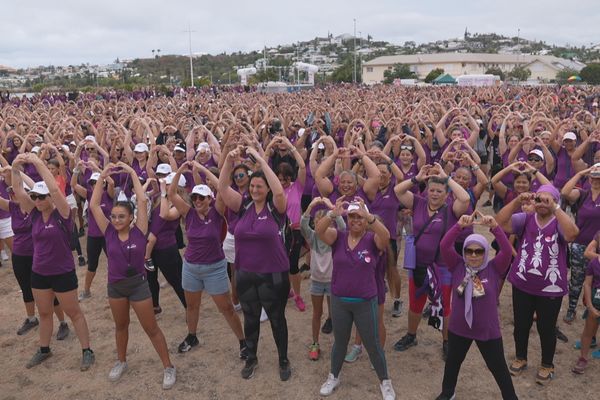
{"x":96,"y":198}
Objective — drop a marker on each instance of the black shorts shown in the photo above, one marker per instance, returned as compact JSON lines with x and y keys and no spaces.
{"x":134,"y":288}
{"x":59,"y":283}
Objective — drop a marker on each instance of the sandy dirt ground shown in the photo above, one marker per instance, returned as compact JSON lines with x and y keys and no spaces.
{"x":212,"y":370}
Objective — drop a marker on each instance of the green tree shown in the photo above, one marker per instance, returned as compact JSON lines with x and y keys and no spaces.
{"x":520,"y":73}
{"x":563,"y":76}
{"x":434,"y":73}
{"x":344,"y":72}
{"x":496,"y":71}
{"x":400,"y":71}
{"x":591,"y":74}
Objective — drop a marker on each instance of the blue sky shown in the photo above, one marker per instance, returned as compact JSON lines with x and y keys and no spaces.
{"x":71,"y":32}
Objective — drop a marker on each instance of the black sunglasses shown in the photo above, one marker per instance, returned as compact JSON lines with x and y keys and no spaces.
{"x":198,"y":197}
{"x":474,"y":252}
{"x":534,"y":159}
{"x":35,"y":197}
{"x":90,"y":149}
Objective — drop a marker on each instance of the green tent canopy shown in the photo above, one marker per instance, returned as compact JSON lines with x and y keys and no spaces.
{"x":444,"y":79}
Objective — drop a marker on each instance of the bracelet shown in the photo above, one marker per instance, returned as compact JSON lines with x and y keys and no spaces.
{"x":475,"y":168}
{"x":535,"y":171}
{"x":371,"y":222}
{"x":330,"y":215}
{"x":414,"y":180}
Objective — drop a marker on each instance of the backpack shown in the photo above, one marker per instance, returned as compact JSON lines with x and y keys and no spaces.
{"x":285,"y":230}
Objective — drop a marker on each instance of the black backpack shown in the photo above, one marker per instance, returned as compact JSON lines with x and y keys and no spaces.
{"x":285,"y":230}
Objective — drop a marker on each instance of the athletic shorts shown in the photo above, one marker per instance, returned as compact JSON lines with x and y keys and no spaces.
{"x":72,"y":202}
{"x":229,"y":248}
{"x":210,"y":277}
{"x":5,"y":228}
{"x":134,"y":288}
{"x":320,"y":288}
{"x":59,"y":283}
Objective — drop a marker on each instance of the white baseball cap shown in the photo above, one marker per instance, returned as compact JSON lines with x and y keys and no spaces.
{"x":355,"y":206}
{"x":538,"y":153}
{"x":141,"y":148}
{"x":203,"y":190}
{"x":40,"y":188}
{"x":94,"y":177}
{"x":169,"y":179}
{"x":179,"y":148}
{"x":35,"y":149}
{"x":569,"y":136}
{"x":203,"y":147}
{"x":65,"y":147}
{"x":90,"y":138}
{"x":164,"y":169}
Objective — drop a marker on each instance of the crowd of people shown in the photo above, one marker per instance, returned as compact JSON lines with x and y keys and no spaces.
{"x":363,"y":187}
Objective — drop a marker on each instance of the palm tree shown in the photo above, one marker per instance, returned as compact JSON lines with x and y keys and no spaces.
{"x":153,"y":53}
{"x":158,"y":52}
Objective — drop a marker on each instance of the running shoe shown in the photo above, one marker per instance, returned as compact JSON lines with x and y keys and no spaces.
{"x":187,"y":344}
{"x":314,"y":352}
{"x":243,"y":350}
{"x":249,"y":368}
{"x":580,"y":366}
{"x":149,"y":264}
{"x":63,"y":331}
{"x":117,"y":371}
{"x":561,"y":336}
{"x":407,"y":341}
{"x":87,"y":359}
{"x":81,"y":260}
{"x":300,"y":303}
{"x":353,"y":354}
{"x":28,"y":325}
{"x":544,"y":375}
{"x":569,"y":317}
{"x":445,"y":397}
{"x":517,"y":367}
{"x":4,"y":255}
{"x":327,"y":327}
{"x":169,"y":378}
{"x":577,"y":345}
{"x":329,"y":386}
{"x":397,"y":308}
{"x":285,"y":371}
{"x":38,"y":358}
{"x":84,"y":295}
{"x":387,"y":390}
{"x":157,"y":310}
{"x":263,"y":315}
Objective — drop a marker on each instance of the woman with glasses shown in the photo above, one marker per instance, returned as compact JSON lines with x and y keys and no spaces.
{"x":204,"y":264}
{"x":538,"y":272}
{"x":127,"y":286}
{"x":476,"y":286}
{"x":53,"y":271}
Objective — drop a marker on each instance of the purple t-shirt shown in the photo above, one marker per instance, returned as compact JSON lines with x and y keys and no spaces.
{"x":163,"y":230}
{"x":386,"y":205}
{"x":51,"y":243}
{"x":588,"y":217}
{"x":258,"y":244}
{"x":540,"y":267}
{"x":564,"y":169}
{"x":4,"y":194}
{"x":204,"y":237}
{"x":428,"y":243}
{"x":106,"y":203}
{"x":593,"y":269}
{"x":354,"y":270}
{"x":123,"y":255}
{"x":21,"y":226}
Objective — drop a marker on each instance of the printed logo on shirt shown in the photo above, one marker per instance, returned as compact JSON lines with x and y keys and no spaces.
{"x":49,"y":226}
{"x":387,"y":196}
{"x":131,"y":246}
{"x":364,"y":256}
{"x":262,"y":218}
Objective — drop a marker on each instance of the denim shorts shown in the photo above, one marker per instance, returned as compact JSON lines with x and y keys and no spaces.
{"x":320,"y":288}
{"x":210,"y":277}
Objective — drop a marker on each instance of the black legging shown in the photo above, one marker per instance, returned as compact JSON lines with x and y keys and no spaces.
{"x":269,"y":291}
{"x":94,"y":247}
{"x":297,"y":242}
{"x":75,"y":245}
{"x":546,"y":309}
{"x":22,"y":268}
{"x":493,"y":355}
{"x":170,"y":264}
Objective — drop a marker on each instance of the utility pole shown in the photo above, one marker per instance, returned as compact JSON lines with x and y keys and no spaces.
{"x":354,"y":69}
{"x":189,"y":31}
{"x":518,"y":48}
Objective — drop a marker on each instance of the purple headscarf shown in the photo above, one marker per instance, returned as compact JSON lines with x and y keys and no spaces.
{"x":478,"y":239}
{"x":550,"y":190}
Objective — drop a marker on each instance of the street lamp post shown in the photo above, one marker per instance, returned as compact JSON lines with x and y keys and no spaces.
{"x":354,"y":40}
{"x":189,"y":31}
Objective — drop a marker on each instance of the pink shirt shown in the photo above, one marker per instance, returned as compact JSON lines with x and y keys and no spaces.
{"x":293,"y":193}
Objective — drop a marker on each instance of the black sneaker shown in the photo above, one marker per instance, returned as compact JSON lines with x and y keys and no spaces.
{"x":81,"y":232}
{"x":285,"y":372}
{"x":63,"y":331}
{"x":243,"y":350}
{"x":445,"y":397}
{"x":38,"y":358}
{"x":406,"y":342}
{"x":561,"y":336}
{"x":149,"y":264}
{"x":445,"y":350}
{"x":82,"y":262}
{"x":189,"y":342}
{"x":249,"y":368}
{"x":327,"y":327}
{"x":397,"y":309}
{"x":27,"y":326}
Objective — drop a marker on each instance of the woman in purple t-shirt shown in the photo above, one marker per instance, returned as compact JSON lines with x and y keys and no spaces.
{"x":538,"y":273}
{"x":261,"y":258}
{"x":53,"y":271}
{"x":204,"y":264}
{"x":476,"y":283}
{"x":127,"y":284}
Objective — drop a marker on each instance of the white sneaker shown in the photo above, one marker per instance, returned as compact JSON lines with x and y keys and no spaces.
{"x":4,"y":255}
{"x":263,"y":316}
{"x":84,"y":295}
{"x":117,"y":371}
{"x":329,"y":386}
{"x":387,"y":390}
{"x":169,"y":378}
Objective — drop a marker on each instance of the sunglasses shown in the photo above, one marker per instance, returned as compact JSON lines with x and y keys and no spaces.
{"x":161,"y":175}
{"x":90,"y":149}
{"x":534,"y":159}
{"x":118,"y":217}
{"x":35,"y":197}
{"x":474,"y":252}
{"x":92,"y":183}
{"x":406,"y":147}
{"x":241,"y":175}
{"x":198,"y":197}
